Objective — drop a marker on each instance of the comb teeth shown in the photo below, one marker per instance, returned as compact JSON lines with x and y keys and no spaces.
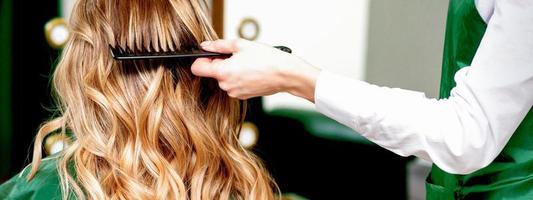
{"x":120,"y":53}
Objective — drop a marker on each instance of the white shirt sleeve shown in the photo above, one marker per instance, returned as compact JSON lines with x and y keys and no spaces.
{"x":460,"y":134}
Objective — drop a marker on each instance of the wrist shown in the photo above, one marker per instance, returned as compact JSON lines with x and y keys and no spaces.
{"x":300,"y":80}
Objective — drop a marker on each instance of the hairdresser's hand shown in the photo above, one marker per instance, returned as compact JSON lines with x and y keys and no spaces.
{"x":256,"y":70}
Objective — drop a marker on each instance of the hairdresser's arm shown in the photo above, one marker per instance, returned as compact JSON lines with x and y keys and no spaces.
{"x":461,"y":134}
{"x":257,"y":70}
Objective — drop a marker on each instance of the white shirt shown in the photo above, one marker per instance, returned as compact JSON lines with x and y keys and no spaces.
{"x":465,"y":132}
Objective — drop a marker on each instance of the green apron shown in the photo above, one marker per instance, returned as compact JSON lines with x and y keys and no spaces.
{"x":510,"y":175}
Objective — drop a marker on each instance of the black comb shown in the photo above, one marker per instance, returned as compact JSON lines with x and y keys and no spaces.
{"x":119,"y":53}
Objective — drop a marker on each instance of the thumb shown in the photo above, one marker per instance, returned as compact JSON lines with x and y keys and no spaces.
{"x":204,"y":67}
{"x":224,"y":46}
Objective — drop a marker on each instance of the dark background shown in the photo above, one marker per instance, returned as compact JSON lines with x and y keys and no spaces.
{"x":31,"y":65}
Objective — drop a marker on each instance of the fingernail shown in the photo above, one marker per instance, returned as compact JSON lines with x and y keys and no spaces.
{"x":206,"y":43}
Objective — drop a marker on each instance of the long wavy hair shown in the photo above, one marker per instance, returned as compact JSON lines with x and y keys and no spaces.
{"x":146,"y":129}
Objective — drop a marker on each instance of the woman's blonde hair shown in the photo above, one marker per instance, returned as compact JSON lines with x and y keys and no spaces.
{"x":146,"y":129}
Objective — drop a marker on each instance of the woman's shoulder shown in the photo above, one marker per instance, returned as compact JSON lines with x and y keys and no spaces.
{"x":45,"y":184}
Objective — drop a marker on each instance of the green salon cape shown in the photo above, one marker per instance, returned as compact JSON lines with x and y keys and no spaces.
{"x":45,"y":185}
{"x":510,"y":175}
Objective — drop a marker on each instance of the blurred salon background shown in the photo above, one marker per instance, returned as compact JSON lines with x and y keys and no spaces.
{"x":386,"y":42}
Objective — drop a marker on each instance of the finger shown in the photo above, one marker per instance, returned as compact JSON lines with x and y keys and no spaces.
{"x":232,"y":94}
{"x":224,"y":86}
{"x":245,"y":97}
{"x":217,"y":61}
{"x":204,"y":67}
{"x":223,"y":46}
{"x":236,"y":94}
